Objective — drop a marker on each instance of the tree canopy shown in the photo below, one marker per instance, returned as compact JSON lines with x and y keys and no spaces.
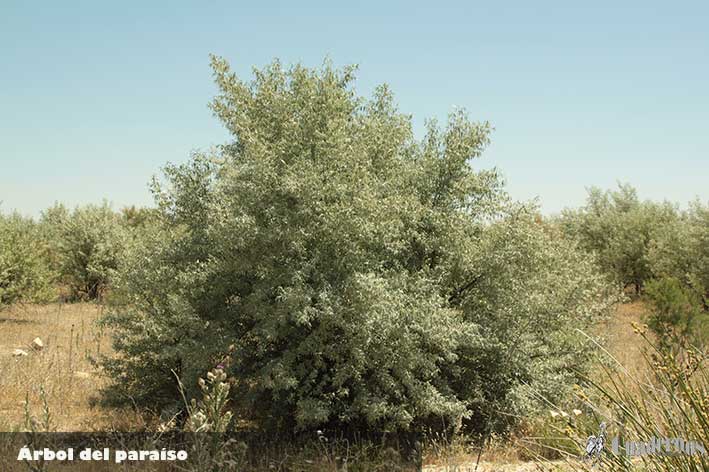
{"x":362,"y":277}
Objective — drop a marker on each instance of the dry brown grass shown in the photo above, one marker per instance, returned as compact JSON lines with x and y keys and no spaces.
{"x":622,"y":342}
{"x":64,"y":368}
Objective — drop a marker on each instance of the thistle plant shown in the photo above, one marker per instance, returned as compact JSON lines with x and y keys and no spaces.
{"x":211,"y":418}
{"x":210,"y":414}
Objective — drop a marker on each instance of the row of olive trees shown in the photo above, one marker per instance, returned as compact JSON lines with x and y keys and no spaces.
{"x":362,"y":278}
{"x":658,"y":249}
{"x":65,"y":254}
{"x":637,"y":241}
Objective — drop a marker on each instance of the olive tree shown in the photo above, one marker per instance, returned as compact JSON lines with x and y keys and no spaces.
{"x":681,"y":251}
{"x":619,"y":229}
{"x":87,"y":245}
{"x":362,"y":277}
{"x":25,"y":272}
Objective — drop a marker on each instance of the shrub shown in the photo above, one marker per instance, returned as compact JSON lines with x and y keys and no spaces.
{"x":677,"y":316}
{"x":367,"y":280}
{"x":88,"y":243}
{"x":25,"y":274}
{"x":537,"y":291}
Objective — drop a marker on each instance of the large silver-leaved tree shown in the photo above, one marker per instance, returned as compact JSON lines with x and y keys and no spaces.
{"x":365,"y":278}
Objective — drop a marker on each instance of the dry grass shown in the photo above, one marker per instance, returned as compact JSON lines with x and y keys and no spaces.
{"x":63,"y":369}
{"x":622,"y":342}
{"x":498,"y":467}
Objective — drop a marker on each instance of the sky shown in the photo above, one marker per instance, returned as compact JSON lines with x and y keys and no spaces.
{"x":95,"y":97}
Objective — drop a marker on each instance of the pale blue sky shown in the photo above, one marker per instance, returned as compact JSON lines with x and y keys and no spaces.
{"x":95,"y":96}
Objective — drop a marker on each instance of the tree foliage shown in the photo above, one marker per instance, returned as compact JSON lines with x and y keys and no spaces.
{"x":620,"y":229}
{"x":681,"y":250}
{"x":362,"y":277}
{"x":87,"y":245}
{"x":25,"y":274}
{"x":677,"y":316}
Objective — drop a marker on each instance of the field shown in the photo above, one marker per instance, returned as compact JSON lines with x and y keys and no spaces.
{"x":64,"y":375}
{"x":63,"y":372}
